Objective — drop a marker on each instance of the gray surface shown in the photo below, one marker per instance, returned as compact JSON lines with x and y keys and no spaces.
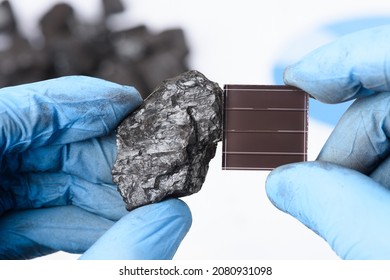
{"x":164,"y":148}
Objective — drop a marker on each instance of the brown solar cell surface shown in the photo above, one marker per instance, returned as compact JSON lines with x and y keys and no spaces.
{"x":264,"y":126}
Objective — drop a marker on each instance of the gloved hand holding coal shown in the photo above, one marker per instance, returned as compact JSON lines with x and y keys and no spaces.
{"x":57,"y":149}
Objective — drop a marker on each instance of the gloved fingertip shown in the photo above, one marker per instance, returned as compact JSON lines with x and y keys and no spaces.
{"x":178,"y":221}
{"x":289,"y":77}
{"x":134,"y":93}
{"x":127,"y":97}
{"x":277,"y":186}
{"x":153,"y":231}
{"x":346,"y":208}
{"x":178,"y":206}
{"x":173,"y":209}
{"x":298,"y":76}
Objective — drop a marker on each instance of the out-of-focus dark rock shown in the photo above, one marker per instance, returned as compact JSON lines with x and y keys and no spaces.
{"x":120,"y":72}
{"x":71,"y":56}
{"x":111,"y":7}
{"x":8,"y":22}
{"x":173,"y":41}
{"x":155,"y":56}
{"x":164,"y":148}
{"x":58,"y":21}
{"x":160,"y":66}
{"x":132,"y":44}
{"x":21,"y":63}
{"x":134,"y":56}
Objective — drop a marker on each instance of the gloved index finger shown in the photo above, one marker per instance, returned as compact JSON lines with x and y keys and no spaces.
{"x":61,"y":111}
{"x":353,"y":66}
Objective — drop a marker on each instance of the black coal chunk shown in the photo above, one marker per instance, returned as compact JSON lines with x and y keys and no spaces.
{"x":165,"y":146}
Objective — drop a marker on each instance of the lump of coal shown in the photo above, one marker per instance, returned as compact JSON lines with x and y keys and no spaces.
{"x":165,"y":146}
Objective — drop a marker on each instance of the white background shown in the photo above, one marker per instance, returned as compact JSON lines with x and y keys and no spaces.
{"x":236,"y":42}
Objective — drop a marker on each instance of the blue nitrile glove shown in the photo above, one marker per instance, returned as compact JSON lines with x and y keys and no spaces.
{"x":344,"y":195}
{"x":57,"y":149}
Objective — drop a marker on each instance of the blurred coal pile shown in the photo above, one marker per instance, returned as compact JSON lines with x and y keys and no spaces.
{"x":134,"y":56}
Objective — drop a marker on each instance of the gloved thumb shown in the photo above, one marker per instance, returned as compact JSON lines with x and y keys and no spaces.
{"x":346,"y":208}
{"x":154,"y":231}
